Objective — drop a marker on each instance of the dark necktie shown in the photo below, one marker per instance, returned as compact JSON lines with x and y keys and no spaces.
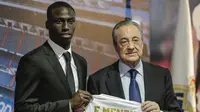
{"x":69,"y":73}
{"x":134,"y":91}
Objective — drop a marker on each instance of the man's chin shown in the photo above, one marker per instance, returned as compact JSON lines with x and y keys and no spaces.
{"x":133,"y":59}
{"x":66,"y":39}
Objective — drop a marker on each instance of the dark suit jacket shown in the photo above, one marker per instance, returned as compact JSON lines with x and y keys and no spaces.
{"x":41,"y":85}
{"x":157,"y":81}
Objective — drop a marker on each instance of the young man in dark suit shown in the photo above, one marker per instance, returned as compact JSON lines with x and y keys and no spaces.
{"x":52,"y":78}
{"x":130,"y":77}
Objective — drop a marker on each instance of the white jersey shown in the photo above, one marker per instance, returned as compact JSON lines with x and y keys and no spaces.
{"x":107,"y":103}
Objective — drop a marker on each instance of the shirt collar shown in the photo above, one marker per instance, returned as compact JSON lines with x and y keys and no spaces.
{"x":57,"y":49}
{"x":123,"y":68}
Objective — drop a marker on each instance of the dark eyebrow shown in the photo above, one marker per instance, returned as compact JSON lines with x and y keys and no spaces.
{"x":73,"y":18}
{"x":136,"y":37}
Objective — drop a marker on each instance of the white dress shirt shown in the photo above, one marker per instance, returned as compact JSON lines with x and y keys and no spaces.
{"x":125,"y":78}
{"x":59,"y":53}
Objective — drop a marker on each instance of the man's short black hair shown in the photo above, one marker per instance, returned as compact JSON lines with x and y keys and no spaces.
{"x":57,"y":5}
{"x":122,"y":23}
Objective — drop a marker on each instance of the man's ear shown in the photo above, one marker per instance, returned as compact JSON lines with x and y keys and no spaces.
{"x":47,"y":24}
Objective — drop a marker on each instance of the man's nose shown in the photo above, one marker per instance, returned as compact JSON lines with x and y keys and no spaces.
{"x":65,"y":26}
{"x":131,"y":45}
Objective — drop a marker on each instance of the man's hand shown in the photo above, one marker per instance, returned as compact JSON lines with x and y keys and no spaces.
{"x":150,"y":106}
{"x":80,"y":99}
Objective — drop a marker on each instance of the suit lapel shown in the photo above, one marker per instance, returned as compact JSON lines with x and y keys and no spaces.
{"x":79,"y":71}
{"x":148,"y":79}
{"x":113,"y":82}
{"x":51,"y":57}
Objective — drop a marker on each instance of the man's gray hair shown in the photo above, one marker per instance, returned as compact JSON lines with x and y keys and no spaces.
{"x":122,"y":23}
